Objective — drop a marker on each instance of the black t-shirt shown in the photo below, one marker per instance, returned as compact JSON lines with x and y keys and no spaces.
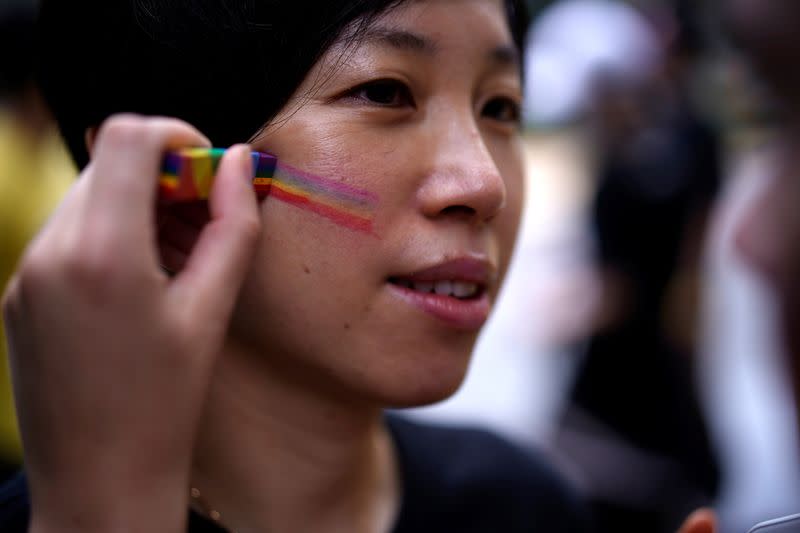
{"x":455,"y":479}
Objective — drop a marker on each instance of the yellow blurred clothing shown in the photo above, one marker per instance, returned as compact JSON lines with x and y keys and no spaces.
{"x":34,"y":175}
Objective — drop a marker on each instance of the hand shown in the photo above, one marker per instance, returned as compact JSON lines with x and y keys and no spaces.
{"x":111,"y":358}
{"x":700,"y":521}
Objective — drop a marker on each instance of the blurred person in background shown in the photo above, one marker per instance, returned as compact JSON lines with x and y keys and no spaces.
{"x":768,"y":234}
{"x":633,"y":425}
{"x":35,"y":171}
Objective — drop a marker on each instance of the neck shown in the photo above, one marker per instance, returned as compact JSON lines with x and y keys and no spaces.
{"x":274,"y":456}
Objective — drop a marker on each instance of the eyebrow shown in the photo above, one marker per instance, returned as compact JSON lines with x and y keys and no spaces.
{"x":504,"y":55}
{"x":399,"y":39}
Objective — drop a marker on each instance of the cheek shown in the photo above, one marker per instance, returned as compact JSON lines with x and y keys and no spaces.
{"x":335,"y":150}
{"x":302,"y":276}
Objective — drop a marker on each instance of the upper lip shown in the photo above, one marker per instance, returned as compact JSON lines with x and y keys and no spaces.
{"x":474,"y":269}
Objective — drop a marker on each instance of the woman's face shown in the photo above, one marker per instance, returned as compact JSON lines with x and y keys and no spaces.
{"x":422,"y":113}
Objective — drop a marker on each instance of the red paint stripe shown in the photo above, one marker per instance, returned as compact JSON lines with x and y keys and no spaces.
{"x":262,"y":186}
{"x":343,"y":219}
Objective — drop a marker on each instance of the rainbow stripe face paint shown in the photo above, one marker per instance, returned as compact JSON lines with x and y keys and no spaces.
{"x":347,"y":206}
{"x":188,"y":175}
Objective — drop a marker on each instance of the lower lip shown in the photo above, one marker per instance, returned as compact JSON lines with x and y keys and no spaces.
{"x":467,"y":315}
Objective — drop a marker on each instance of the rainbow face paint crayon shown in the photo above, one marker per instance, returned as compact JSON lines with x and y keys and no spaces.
{"x":188,"y":175}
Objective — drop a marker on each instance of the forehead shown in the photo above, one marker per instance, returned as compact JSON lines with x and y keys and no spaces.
{"x":430,"y":26}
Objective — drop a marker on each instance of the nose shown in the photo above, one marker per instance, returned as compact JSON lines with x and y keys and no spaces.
{"x":462,"y":180}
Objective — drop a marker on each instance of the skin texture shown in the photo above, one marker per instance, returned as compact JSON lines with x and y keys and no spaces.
{"x":449,"y":178}
{"x":95,"y":377}
{"x":341,"y":345}
{"x":259,"y":370}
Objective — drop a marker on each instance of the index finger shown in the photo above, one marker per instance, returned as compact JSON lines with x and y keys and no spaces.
{"x":124,"y":176}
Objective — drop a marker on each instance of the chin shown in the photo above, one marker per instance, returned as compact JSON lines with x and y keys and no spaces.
{"x":421,"y":398}
{"x":425,"y":382}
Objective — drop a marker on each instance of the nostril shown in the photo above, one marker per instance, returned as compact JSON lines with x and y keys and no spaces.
{"x":460,"y":211}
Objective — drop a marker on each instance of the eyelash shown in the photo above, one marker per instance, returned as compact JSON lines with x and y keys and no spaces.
{"x":401,"y":94}
{"x":503,"y":109}
{"x":391,"y":93}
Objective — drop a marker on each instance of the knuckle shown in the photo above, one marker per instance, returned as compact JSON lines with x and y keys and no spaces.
{"x":164,"y":123}
{"x":48,"y":268}
{"x":92,"y":273}
{"x":123,"y":129}
{"x":172,"y":130}
{"x":34,"y":266}
{"x":33,"y":273}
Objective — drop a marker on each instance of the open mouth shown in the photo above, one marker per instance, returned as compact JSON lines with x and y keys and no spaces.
{"x":462,"y":290}
{"x":454,"y":292}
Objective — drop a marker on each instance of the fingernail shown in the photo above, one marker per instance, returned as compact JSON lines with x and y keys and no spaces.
{"x":246,"y":159}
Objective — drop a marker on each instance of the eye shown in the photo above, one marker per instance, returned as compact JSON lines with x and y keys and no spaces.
{"x":384,"y":93}
{"x":502,"y":109}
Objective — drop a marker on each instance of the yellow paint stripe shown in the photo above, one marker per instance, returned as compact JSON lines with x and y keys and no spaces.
{"x":203,"y":175}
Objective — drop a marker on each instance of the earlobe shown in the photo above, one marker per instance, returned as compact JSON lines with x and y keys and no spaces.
{"x":89,"y":137}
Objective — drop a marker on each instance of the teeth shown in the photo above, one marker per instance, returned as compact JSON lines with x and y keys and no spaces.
{"x":464,"y":289}
{"x":457,"y":289}
{"x":444,"y":288}
{"x":423,"y":286}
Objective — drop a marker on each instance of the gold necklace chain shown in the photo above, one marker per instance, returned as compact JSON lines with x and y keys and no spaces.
{"x":197,"y":499}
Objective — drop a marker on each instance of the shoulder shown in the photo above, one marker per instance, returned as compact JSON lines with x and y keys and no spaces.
{"x":14,"y":505}
{"x":456,"y":473}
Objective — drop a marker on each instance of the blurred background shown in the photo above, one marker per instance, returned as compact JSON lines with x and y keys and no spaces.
{"x":35,"y":171}
{"x":631,"y":343}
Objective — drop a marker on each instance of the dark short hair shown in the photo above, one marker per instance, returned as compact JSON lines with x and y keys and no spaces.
{"x":225,"y":66}
{"x":17,"y":39}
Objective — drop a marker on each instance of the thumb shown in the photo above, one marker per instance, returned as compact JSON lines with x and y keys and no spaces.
{"x":700,"y":521}
{"x":207,"y":287}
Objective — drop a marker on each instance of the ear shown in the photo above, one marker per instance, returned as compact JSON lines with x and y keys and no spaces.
{"x":89,"y":137}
